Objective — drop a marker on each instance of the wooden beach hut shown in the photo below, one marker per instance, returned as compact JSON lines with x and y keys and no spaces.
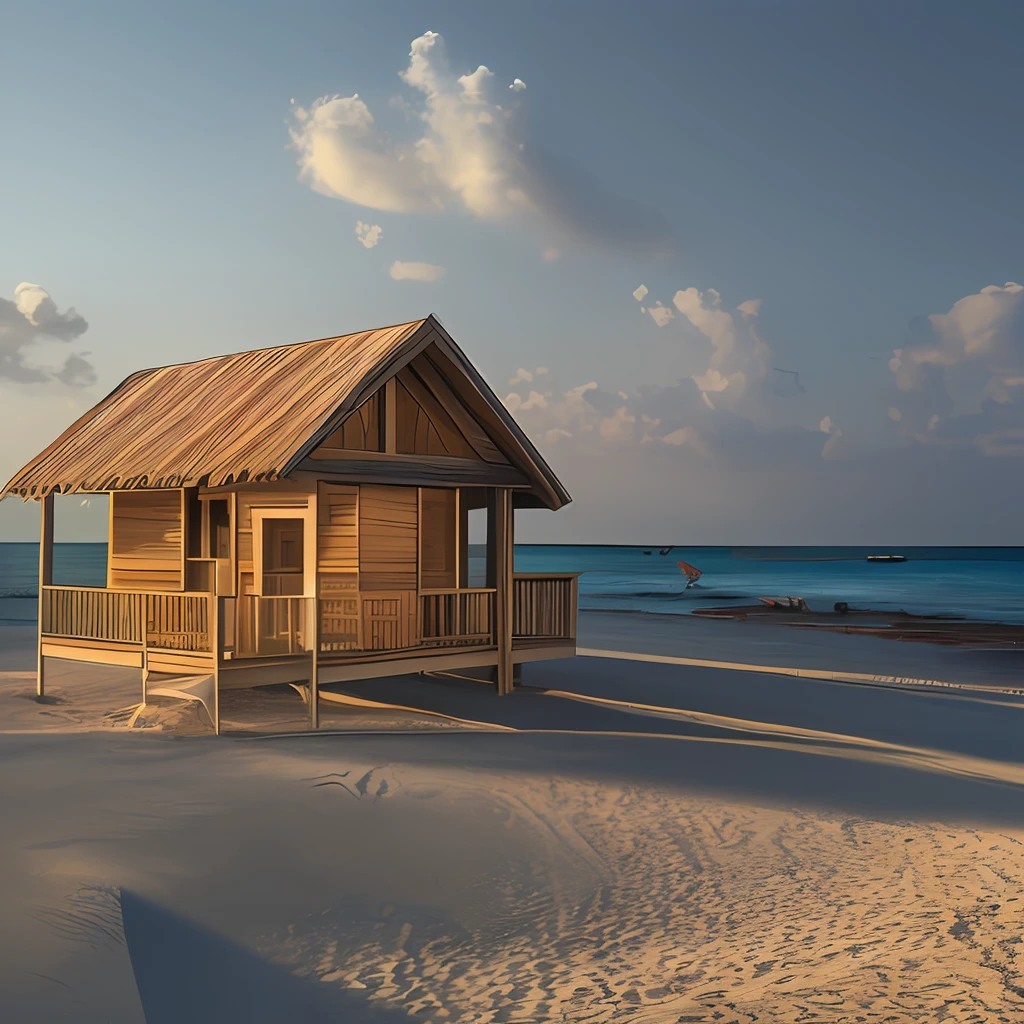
{"x":300,"y":514}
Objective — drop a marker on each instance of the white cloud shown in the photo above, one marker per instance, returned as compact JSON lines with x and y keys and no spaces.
{"x":985,"y":329}
{"x":640,"y":292}
{"x":470,"y":154}
{"x":686,"y":436}
{"x":739,"y":357}
{"x":619,"y":426}
{"x":522,"y":377}
{"x":535,"y":400}
{"x":27,"y":323}
{"x":660,"y":314}
{"x":518,"y":85}
{"x":368,"y":234}
{"x":894,"y":414}
{"x":415,"y":271}
{"x":959,"y":374}
{"x":711,"y":381}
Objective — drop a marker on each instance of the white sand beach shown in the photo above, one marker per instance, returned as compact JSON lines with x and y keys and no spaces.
{"x":737,"y":846}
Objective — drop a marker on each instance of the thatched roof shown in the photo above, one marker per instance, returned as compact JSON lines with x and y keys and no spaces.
{"x":252,"y":416}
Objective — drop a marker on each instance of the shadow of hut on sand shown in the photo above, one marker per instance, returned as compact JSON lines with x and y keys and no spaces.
{"x":184,"y":972}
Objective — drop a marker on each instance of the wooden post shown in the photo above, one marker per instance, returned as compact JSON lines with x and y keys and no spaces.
{"x":215,"y":631}
{"x":144,"y":637}
{"x":499,"y":572}
{"x":45,"y":579}
{"x":314,"y":670}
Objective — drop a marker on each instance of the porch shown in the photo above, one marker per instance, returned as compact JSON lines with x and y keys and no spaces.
{"x":255,"y":640}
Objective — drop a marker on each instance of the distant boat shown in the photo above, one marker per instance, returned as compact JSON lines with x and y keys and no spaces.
{"x":692,"y":573}
{"x":887,"y":558}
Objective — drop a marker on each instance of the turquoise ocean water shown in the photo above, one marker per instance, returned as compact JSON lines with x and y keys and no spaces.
{"x":977,"y":583}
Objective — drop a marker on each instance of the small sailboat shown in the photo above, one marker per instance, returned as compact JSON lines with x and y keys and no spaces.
{"x":692,"y":573}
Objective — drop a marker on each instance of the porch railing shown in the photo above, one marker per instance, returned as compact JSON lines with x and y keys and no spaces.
{"x":456,"y":618}
{"x":261,"y":626}
{"x":169,"y":621}
{"x":544,"y":606}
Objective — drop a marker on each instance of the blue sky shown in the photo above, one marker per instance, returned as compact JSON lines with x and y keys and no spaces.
{"x":170,"y":174}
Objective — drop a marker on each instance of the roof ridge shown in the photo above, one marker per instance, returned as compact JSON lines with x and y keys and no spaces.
{"x":271,"y":348}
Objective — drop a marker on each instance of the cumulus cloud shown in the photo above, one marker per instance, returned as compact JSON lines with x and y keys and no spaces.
{"x":472,"y":154}
{"x":368,"y":234}
{"x":518,"y":85}
{"x":524,"y":376}
{"x":961,"y":374}
{"x":415,"y":271}
{"x":596,"y":422}
{"x":739,"y":358}
{"x":728,"y":412}
{"x":26,"y":324}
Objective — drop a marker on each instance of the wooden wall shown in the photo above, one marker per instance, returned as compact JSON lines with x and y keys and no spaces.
{"x":146,"y":541}
{"x":337,"y":538}
{"x":387,"y":537}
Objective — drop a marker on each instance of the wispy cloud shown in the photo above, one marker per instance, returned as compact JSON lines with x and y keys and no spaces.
{"x":26,"y":324}
{"x":415,"y":271}
{"x":472,"y":154}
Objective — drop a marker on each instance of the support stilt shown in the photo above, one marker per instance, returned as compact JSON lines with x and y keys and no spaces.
{"x":45,"y":580}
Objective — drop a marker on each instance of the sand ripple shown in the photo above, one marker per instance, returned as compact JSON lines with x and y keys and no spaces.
{"x":654,"y":906}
